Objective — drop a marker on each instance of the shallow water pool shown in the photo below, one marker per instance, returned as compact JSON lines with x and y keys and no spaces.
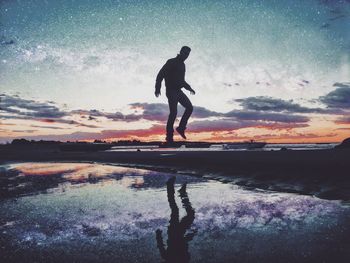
{"x":87,"y":212}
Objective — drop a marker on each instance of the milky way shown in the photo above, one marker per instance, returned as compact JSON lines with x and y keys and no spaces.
{"x":105,"y":54}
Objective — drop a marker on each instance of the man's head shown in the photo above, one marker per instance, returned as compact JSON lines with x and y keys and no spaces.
{"x":184,"y":52}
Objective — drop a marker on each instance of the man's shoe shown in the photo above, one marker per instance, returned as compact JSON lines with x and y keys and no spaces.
{"x":181,"y":132}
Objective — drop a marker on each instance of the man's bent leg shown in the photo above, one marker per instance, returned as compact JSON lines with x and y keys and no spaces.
{"x":186,"y":103}
{"x":172,"y":100}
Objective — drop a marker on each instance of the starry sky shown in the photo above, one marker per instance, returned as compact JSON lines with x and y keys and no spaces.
{"x":272,"y":70}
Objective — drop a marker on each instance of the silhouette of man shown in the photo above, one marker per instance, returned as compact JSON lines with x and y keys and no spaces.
{"x":174,"y":74}
{"x":177,"y":250}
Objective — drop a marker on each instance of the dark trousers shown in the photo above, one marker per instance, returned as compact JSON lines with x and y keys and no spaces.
{"x":175,"y":97}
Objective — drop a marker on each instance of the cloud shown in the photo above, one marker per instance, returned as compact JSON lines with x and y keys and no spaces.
{"x":280,"y":126}
{"x":152,"y":111}
{"x":71,"y":122}
{"x":218,"y":125}
{"x":222,"y":125}
{"x":14,"y":107}
{"x":146,"y":111}
{"x":47,"y":127}
{"x":338,"y":98}
{"x":229,"y":125}
{"x":343,"y":120}
{"x":266,"y":116}
{"x":343,"y":128}
{"x":26,"y":131}
{"x":18,"y":108}
{"x":116,"y":116}
{"x":264,"y":103}
{"x":153,"y":130}
{"x":258,"y":112}
{"x":201,"y":112}
{"x":160,"y":111}
{"x":47,"y":112}
{"x":268,"y":136}
{"x":102,"y":135}
{"x":29,"y":108}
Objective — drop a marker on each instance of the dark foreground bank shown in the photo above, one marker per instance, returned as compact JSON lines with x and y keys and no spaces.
{"x":323,"y":173}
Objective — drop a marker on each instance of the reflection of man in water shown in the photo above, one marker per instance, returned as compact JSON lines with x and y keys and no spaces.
{"x":174,"y":74}
{"x":177,"y":250}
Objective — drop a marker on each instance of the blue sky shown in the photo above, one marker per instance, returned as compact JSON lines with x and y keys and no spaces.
{"x":104,"y":55}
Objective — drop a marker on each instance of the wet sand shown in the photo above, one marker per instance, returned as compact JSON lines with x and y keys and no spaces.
{"x":323,"y":173}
